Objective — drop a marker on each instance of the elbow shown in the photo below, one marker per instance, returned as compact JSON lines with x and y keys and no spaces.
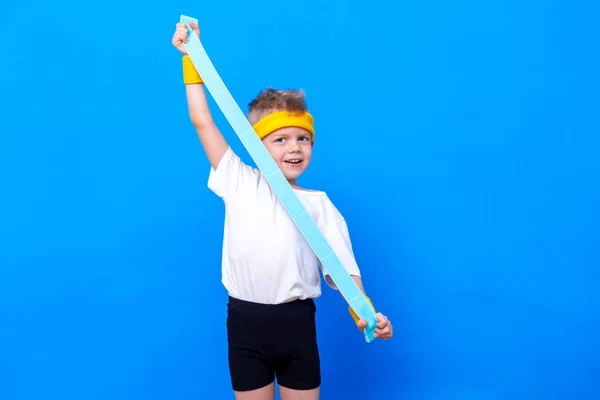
{"x":201,"y":123}
{"x":200,"y":119}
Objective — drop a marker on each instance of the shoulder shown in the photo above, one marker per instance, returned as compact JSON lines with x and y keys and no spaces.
{"x":232,"y":162}
{"x":232,"y":175}
{"x":322,"y":207}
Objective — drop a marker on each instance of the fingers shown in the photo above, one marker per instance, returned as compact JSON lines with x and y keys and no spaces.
{"x":181,"y":32}
{"x":362,"y":324}
{"x":381,"y":320}
{"x":180,"y":35}
{"x":195,"y":28}
{"x":385,"y":333}
{"x":384,"y":328}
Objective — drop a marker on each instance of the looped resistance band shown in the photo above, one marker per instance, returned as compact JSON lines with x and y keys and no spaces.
{"x":265,"y":163}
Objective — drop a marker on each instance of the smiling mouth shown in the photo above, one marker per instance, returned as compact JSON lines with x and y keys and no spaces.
{"x":294,"y":161}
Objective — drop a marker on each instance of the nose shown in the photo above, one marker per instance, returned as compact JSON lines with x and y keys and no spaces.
{"x":294,"y":146}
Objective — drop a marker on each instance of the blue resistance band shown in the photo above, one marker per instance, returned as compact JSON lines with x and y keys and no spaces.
{"x":265,"y":163}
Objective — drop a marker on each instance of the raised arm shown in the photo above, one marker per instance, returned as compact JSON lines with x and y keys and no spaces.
{"x":212,"y":139}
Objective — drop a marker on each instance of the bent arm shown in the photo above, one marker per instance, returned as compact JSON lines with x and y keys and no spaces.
{"x":210,"y":136}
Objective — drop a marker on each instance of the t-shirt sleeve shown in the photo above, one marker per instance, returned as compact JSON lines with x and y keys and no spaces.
{"x":231,"y":176}
{"x":336,"y":232}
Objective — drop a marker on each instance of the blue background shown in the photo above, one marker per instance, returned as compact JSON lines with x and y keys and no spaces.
{"x":459,"y":139}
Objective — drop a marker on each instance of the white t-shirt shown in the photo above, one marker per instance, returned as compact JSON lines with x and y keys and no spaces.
{"x":265,"y":257}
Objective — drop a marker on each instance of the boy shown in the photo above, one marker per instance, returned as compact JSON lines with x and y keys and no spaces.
{"x":268,"y":268}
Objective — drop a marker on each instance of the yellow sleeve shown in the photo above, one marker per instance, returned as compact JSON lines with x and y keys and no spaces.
{"x":190,"y":74}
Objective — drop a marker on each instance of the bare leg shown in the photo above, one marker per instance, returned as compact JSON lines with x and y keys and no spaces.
{"x":291,"y":394}
{"x":264,"y":393}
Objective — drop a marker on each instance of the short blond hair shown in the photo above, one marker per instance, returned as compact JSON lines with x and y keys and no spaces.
{"x":272,"y":100}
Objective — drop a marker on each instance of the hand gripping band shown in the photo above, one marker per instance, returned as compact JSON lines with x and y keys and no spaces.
{"x":355,"y":317}
{"x":265,"y":163}
{"x":281,"y":119}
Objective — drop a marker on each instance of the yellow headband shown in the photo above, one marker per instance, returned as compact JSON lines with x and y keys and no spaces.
{"x":283,"y":119}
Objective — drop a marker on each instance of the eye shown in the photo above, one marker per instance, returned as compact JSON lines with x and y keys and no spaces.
{"x":279,"y":140}
{"x":304,"y":138}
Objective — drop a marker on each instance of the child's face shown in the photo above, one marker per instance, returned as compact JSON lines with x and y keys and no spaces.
{"x":291,"y":148}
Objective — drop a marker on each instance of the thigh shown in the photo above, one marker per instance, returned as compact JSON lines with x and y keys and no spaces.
{"x":300,"y":368}
{"x":264,"y":393}
{"x":291,"y":394}
{"x":249,"y":368}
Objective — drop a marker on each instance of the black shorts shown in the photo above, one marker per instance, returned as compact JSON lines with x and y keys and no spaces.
{"x":268,"y":341}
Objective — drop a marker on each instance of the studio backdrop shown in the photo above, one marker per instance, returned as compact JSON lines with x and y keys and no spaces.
{"x":460,"y":140}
